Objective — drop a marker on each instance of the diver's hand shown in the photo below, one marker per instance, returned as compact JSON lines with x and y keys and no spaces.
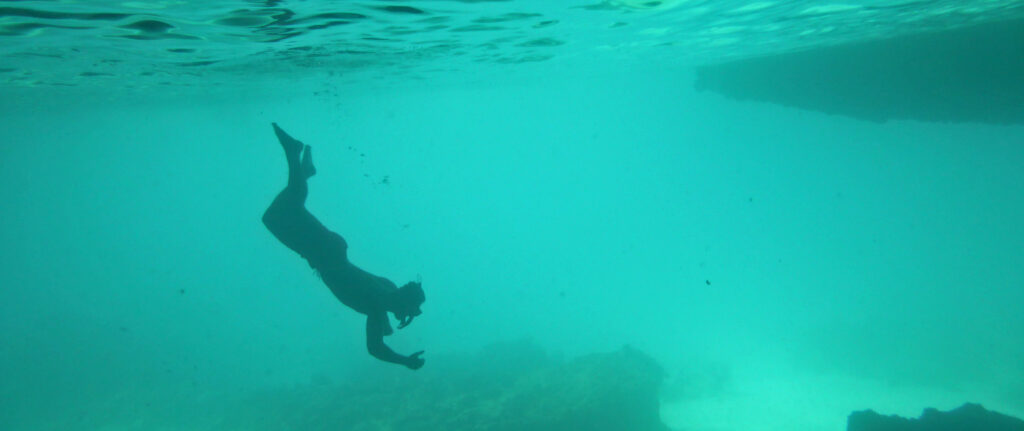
{"x":414,"y":361}
{"x":405,"y":321}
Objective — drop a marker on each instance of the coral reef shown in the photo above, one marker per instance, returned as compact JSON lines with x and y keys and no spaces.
{"x":505,"y":388}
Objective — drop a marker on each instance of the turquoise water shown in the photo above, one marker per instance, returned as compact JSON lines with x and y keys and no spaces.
{"x":545,"y":167}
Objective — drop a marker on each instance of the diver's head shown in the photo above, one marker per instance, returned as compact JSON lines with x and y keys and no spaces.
{"x":408,"y":299}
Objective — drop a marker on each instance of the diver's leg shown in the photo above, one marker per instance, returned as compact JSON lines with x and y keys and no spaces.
{"x":289,"y":220}
{"x":306,"y":166}
{"x":300,"y":166}
{"x":292,"y":147}
{"x":289,"y":207}
{"x":292,"y":152}
{"x":287,"y":217}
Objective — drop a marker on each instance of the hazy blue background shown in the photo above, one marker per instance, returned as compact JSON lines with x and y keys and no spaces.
{"x":581,"y":203}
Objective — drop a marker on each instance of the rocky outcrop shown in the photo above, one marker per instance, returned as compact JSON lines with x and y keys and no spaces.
{"x":969,"y":417}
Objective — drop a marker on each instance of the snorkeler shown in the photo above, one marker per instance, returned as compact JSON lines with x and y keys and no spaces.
{"x":327,"y":253}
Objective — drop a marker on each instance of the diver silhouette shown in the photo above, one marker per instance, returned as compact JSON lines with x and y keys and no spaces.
{"x":327,"y":253}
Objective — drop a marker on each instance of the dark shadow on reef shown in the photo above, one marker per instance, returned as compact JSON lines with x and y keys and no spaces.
{"x":970,"y":74}
{"x":511,"y":387}
{"x":969,"y":417}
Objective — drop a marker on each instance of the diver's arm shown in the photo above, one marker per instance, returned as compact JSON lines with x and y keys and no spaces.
{"x":376,"y":326}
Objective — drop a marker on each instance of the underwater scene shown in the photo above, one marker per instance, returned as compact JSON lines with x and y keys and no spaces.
{"x":502,"y":215}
